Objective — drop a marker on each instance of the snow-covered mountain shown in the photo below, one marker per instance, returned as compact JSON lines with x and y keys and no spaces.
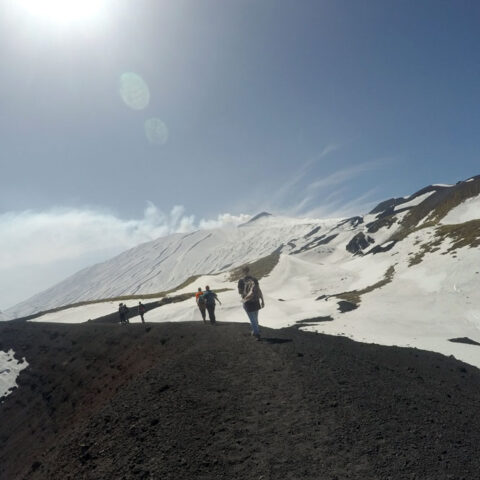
{"x":413,"y":256}
{"x":167,"y":262}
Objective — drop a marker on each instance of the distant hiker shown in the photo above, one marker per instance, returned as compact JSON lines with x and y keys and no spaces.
{"x":123,"y":311}
{"x":210,"y":299}
{"x":201,"y":304}
{"x":141,"y":311}
{"x":252,"y":299}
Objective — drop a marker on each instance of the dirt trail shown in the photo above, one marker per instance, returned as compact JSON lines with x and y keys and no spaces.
{"x":193,"y":401}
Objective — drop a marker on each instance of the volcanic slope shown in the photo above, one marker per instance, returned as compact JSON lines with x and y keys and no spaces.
{"x":193,"y":401}
{"x":399,"y":232}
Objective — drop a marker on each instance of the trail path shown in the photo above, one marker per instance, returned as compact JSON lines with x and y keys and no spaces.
{"x":193,"y":401}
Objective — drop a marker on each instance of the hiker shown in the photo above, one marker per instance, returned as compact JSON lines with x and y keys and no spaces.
{"x":121,"y":312}
{"x":210,"y":299}
{"x":125,"y":311}
{"x":252,"y":299}
{"x":141,"y":311}
{"x":201,"y":304}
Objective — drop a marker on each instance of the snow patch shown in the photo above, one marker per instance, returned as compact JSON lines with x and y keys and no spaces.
{"x":10,"y":368}
{"x":466,"y":211}
{"x":414,"y":202}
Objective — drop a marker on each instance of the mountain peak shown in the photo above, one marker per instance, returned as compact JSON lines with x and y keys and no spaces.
{"x":258,"y":217}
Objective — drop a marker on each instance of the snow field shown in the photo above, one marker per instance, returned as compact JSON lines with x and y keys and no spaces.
{"x":424,"y":305}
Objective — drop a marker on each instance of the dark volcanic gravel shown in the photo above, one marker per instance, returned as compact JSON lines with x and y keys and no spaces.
{"x":192,"y":401}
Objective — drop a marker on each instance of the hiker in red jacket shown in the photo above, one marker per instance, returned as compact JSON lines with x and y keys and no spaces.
{"x":201,"y":304}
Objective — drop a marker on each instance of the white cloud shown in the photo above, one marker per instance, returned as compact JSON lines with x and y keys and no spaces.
{"x":60,"y":241}
{"x":224,"y":220}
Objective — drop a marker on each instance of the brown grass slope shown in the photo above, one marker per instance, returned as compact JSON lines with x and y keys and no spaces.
{"x":259,"y":268}
{"x":355,"y":296}
{"x":436,"y":206}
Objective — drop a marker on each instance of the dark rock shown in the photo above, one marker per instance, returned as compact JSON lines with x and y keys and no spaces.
{"x":316,"y":242}
{"x":381,"y":248}
{"x":358,"y":243}
{"x":381,"y":222}
{"x":352,"y":221}
{"x":466,"y":340}
{"x":313,"y":232}
{"x":345,"y":306}
{"x":315,"y":320}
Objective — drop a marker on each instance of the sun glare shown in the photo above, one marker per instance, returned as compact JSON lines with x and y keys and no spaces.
{"x":63,"y":11}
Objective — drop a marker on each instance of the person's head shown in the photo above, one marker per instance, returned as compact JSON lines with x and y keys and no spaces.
{"x":207,"y":288}
{"x":245,"y":270}
{"x":199,"y":289}
{"x":120,"y":304}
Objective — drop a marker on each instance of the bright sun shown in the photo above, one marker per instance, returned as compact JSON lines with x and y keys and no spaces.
{"x":63,"y":11}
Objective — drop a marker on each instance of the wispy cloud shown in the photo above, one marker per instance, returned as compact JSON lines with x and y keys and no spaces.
{"x":345,"y":174}
{"x":285,"y":190}
{"x":338,"y":208}
{"x":330,"y":195}
{"x":33,"y":241}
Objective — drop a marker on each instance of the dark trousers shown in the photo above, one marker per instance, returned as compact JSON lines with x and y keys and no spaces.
{"x":202,"y":311}
{"x":211,"y":313}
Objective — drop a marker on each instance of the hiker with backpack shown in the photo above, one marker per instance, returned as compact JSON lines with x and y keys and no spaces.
{"x":252,"y":298}
{"x":201,"y":304}
{"x":210,"y":298}
{"x":123,"y":312}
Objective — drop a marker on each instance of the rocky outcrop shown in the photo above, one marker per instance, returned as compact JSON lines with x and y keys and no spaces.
{"x":359,"y":242}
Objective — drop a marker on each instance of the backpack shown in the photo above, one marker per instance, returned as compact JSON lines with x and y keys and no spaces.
{"x":209,"y":297}
{"x":201,"y":300}
{"x":251,"y":289}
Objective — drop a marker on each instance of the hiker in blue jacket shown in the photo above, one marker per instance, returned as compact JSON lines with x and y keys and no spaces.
{"x":210,"y":299}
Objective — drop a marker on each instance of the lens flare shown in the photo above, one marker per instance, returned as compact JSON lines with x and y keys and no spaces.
{"x":134,"y":91}
{"x":156,"y":131}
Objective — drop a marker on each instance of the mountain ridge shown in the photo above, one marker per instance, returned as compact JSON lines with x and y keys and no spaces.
{"x":167,"y":262}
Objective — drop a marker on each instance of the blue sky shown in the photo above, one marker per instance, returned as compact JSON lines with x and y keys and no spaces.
{"x":318,"y":108}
